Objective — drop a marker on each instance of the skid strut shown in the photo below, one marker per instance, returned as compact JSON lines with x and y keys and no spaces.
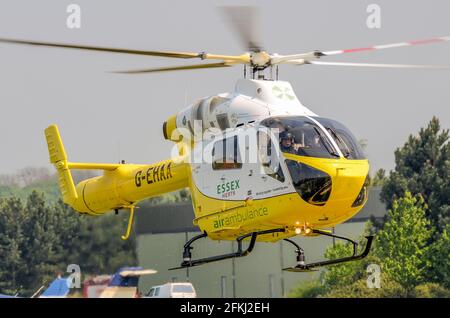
{"x":130,"y":222}
{"x":187,"y":255}
{"x":304,"y":267}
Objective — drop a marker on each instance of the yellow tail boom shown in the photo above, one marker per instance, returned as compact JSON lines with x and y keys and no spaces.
{"x":121,"y":185}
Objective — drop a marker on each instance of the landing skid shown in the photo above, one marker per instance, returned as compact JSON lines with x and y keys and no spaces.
{"x":304,"y":267}
{"x":189,"y":262}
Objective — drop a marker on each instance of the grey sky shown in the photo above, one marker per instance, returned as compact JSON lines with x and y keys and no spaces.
{"x":106,"y":117}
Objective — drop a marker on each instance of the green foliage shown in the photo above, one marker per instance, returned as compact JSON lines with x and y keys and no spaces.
{"x":40,"y":235}
{"x":341,"y":273}
{"x":346,"y":273}
{"x":422,"y":166}
{"x":12,"y":215}
{"x":310,"y":289}
{"x":439,"y":255}
{"x":39,"y":240}
{"x":431,"y":290}
{"x":402,"y":251}
{"x":99,"y":248}
{"x":48,"y":187}
{"x":379,"y":178}
{"x":359,"y":289}
{"x":27,"y":243}
{"x":402,"y":243}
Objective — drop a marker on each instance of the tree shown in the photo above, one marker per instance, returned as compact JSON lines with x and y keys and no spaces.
{"x":439,"y":254}
{"x":30,"y":175}
{"x":379,"y":178}
{"x":359,"y":289}
{"x":336,"y":279}
{"x":99,"y":248}
{"x":347,"y":273}
{"x":39,"y":245}
{"x":431,"y":290}
{"x":39,"y":240}
{"x":310,"y":289}
{"x":343,"y":273}
{"x":402,"y":243}
{"x":11,"y":241}
{"x":67,"y":226}
{"x":402,"y":250}
{"x":422,"y":166}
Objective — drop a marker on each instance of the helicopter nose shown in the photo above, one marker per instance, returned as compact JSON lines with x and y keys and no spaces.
{"x":349,"y":180}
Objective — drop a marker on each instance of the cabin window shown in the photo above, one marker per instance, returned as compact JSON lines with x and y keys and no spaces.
{"x":216,"y":101}
{"x":222,"y":120}
{"x":151,"y":292}
{"x":195,"y":109}
{"x":226,"y":154}
{"x":269,"y":157}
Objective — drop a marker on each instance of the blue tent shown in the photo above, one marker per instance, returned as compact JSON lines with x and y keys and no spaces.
{"x":58,"y":288}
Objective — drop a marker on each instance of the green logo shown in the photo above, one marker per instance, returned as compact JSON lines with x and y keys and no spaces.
{"x":283,"y":93}
{"x":240,"y":217}
{"x":227,"y":186}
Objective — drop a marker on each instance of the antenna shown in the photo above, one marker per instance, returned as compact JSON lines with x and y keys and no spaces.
{"x":118,"y":151}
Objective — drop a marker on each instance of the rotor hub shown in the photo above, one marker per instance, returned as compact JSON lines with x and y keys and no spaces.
{"x":260,"y":59}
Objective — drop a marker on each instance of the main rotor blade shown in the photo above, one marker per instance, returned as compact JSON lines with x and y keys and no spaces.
{"x":388,"y":46}
{"x":183,"y":55}
{"x":245,"y":22}
{"x":277,"y":59}
{"x":244,"y":58}
{"x":404,"y":66}
{"x":175,"y":68}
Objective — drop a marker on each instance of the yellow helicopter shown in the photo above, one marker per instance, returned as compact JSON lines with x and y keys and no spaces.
{"x":260,"y":166}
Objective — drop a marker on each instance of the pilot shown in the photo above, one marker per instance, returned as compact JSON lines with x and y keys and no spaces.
{"x":287,"y":142}
{"x":316,"y":142}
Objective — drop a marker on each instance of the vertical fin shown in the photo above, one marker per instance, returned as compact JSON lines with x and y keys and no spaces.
{"x":58,"y":157}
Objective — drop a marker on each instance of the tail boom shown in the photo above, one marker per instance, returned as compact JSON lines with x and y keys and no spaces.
{"x":121,"y":185}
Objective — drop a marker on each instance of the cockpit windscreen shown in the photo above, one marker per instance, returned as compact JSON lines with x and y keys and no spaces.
{"x":301,"y":136}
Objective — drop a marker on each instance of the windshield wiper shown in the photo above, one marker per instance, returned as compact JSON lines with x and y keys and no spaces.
{"x":344,"y":148}
{"x":326,"y":144}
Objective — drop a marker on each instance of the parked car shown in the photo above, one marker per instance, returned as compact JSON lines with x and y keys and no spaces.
{"x":172,"y":290}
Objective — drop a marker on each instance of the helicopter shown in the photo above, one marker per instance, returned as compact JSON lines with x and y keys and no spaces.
{"x":260,"y":165}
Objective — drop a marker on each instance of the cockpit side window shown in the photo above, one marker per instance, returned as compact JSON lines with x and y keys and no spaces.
{"x":301,"y":136}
